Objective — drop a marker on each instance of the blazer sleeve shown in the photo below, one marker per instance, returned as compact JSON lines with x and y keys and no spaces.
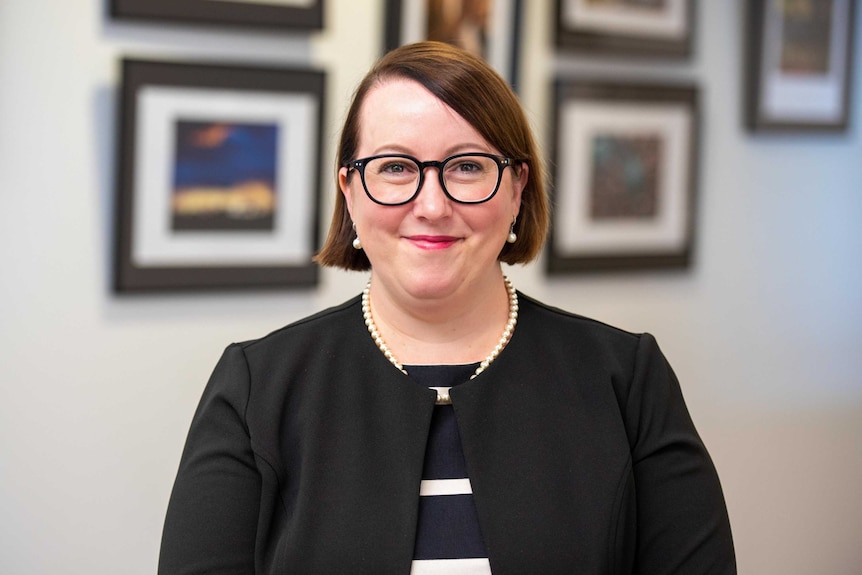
{"x":212,"y":516}
{"x":683,"y":526}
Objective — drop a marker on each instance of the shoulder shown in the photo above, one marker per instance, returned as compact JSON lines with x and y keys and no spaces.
{"x":315,"y":339}
{"x":582,"y":343}
{"x":331,"y":323}
{"x":299,"y":355}
{"x":557,"y":322}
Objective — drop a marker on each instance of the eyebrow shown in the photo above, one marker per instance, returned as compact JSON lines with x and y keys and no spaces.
{"x":458,"y":149}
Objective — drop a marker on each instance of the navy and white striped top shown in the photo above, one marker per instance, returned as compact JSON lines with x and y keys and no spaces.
{"x":448,"y":536}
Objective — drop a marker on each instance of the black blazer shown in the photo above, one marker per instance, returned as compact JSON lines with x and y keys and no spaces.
{"x":305,"y":457}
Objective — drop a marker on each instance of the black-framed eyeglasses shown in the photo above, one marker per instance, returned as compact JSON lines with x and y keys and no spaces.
{"x":396,"y":179}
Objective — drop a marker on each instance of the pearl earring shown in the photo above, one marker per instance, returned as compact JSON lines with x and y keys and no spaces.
{"x":512,"y":237}
{"x":357,"y":245}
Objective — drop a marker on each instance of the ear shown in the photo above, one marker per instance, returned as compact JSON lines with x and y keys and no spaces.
{"x":520,"y":176}
{"x":344,"y":185}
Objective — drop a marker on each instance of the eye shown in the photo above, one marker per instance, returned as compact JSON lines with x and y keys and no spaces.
{"x":467,"y":166}
{"x":394,"y":167}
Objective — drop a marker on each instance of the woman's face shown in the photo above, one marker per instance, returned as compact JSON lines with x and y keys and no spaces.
{"x":431,"y":247}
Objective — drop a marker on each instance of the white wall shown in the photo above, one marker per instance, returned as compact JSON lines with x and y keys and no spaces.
{"x":96,"y":391}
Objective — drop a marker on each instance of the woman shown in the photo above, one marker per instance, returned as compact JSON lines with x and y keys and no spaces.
{"x":442,"y":422}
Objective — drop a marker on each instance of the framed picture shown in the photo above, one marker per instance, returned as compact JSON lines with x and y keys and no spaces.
{"x":640,"y":28}
{"x":276,"y":14}
{"x":488,"y":28}
{"x":624,"y":176}
{"x":799,"y":61}
{"x":218,"y":176}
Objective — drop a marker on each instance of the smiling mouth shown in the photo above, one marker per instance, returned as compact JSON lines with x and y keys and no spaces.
{"x":432,"y":242}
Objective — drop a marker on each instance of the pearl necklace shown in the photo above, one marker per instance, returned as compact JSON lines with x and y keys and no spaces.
{"x":442,"y":393}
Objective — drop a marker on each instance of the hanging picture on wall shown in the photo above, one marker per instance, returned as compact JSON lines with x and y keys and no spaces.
{"x":218,"y":176}
{"x":275,"y":14}
{"x":638,"y":28}
{"x":487,"y":28}
{"x":799,"y":64}
{"x":624,"y":176}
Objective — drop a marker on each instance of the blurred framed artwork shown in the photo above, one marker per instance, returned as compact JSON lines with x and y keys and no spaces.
{"x":638,"y":28}
{"x":799,"y":65}
{"x":276,"y":14}
{"x":624,"y":176}
{"x":487,"y":28}
{"x":218,"y":176}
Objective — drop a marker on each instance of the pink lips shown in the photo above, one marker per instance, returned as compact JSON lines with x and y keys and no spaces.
{"x":432,"y":242}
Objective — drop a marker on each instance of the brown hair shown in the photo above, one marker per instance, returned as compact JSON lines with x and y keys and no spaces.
{"x":478,"y":94}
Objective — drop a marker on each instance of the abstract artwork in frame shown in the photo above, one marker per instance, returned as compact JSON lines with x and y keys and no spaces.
{"x":273,"y":14}
{"x":487,"y":28}
{"x":636,"y":28}
{"x":798,"y":65}
{"x":218,"y":176}
{"x":624,"y":176}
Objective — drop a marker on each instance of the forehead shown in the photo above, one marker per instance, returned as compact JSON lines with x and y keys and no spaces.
{"x":402,"y":113}
{"x":402,"y":95}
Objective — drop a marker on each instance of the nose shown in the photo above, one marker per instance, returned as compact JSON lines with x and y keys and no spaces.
{"x":431,"y":202}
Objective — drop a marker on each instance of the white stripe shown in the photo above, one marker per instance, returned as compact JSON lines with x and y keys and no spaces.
{"x":445,"y":487}
{"x":451,"y":567}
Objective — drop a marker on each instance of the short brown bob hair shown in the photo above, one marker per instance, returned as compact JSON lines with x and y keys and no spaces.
{"x":478,"y":94}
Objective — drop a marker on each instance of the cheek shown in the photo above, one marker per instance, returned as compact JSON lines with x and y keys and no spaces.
{"x":372,"y":218}
{"x":494,"y":221}
{"x":509,"y":205}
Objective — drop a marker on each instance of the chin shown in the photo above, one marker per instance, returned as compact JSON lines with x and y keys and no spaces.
{"x":431,"y":283}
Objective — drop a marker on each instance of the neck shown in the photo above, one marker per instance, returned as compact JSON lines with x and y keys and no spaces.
{"x":458,"y":329}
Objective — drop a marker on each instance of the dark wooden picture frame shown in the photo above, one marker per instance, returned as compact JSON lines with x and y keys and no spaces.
{"x":625,"y":28}
{"x":799,"y":66}
{"x":624,"y":173}
{"x":409,"y":21}
{"x":247,"y":13}
{"x":218,"y":176}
